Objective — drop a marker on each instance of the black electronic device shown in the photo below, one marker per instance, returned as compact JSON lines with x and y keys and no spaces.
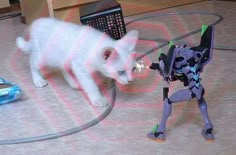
{"x":104,"y":15}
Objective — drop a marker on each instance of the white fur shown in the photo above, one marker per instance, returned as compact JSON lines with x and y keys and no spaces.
{"x":81,"y":49}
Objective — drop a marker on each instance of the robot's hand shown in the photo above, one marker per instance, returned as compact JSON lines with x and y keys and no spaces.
{"x":155,"y":66}
{"x":158,"y":66}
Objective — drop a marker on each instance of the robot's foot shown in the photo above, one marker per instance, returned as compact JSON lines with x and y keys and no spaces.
{"x":208,"y":135}
{"x":157,"y":136}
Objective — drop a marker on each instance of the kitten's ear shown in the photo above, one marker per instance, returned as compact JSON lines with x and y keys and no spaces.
{"x":129,"y":40}
{"x":109,"y":53}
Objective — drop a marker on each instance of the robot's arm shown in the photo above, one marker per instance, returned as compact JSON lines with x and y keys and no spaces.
{"x":161,"y":66}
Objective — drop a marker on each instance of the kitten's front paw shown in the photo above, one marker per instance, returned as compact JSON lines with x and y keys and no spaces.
{"x":40,"y":83}
{"x":101,"y":102}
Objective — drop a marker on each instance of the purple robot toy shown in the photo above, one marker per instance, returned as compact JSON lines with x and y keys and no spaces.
{"x":185,"y":64}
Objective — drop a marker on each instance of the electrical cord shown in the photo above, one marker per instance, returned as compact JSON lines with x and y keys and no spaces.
{"x":70,"y":131}
{"x":220,"y":18}
{"x":9,"y":16}
{"x":113,"y":87}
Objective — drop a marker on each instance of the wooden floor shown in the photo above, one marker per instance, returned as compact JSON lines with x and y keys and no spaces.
{"x":138,"y":107}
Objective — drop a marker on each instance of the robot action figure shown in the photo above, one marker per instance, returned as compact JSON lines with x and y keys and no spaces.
{"x":185,"y":64}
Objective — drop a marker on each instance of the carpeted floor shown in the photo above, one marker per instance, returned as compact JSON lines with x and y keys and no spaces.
{"x":138,"y":107}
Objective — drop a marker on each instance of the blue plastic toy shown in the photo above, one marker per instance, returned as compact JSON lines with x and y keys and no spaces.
{"x":9,"y":91}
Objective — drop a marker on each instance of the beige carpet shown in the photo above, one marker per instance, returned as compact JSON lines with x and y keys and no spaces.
{"x":138,"y":106}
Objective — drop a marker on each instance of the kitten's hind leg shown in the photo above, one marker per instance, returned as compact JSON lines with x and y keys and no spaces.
{"x":70,"y":80}
{"x":89,"y":86}
{"x":37,"y":77}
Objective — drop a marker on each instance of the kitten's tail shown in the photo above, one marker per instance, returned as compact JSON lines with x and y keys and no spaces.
{"x":24,"y":45}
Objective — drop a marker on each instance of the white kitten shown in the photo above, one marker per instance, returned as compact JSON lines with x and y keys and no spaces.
{"x":81,"y":50}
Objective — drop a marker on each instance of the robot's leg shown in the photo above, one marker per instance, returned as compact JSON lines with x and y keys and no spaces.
{"x":159,"y":134}
{"x":207,"y":131}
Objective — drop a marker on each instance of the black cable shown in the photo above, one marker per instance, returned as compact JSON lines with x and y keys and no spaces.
{"x":220,"y":18}
{"x":70,"y":131}
{"x":230,"y":48}
{"x":10,"y":16}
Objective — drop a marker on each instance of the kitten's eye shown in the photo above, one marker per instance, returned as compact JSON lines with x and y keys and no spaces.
{"x":121,"y":72}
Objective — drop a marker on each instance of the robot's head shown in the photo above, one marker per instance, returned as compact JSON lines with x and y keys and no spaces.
{"x":186,"y":56}
{"x":180,"y":56}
